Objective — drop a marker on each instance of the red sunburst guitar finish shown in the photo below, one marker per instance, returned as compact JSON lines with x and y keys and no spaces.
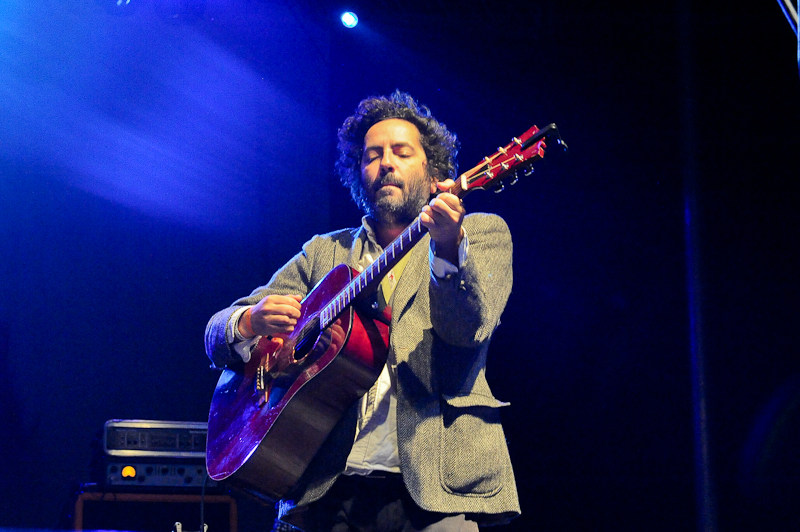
{"x":280,"y":420}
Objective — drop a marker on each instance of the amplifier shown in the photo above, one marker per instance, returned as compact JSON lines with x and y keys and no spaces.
{"x":154,"y":454}
{"x":149,"y":473}
{"x":151,"y":438}
{"x":153,"y":512}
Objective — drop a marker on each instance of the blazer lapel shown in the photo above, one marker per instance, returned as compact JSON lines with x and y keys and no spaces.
{"x":415,"y":275}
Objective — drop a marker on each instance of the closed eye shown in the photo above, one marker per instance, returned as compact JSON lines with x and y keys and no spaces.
{"x":371,"y":156}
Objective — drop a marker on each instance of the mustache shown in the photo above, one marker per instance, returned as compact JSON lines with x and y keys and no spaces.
{"x":388,"y":179}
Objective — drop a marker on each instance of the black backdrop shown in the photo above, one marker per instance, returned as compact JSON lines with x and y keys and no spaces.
{"x":663,"y":247}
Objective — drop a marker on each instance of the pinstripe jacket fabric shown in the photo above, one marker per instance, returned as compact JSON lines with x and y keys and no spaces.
{"x":453,"y":453}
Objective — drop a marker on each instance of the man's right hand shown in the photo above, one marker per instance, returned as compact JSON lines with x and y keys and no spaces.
{"x":272,"y":316}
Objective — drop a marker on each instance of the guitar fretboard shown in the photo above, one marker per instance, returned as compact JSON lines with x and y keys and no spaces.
{"x":373,"y":273}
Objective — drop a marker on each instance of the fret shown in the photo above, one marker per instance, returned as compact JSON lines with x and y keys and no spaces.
{"x":396,"y":250}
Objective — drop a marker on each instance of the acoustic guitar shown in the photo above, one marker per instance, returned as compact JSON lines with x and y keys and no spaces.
{"x":269,"y":417}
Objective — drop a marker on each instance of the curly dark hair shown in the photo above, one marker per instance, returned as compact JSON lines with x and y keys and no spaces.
{"x":440,"y":145}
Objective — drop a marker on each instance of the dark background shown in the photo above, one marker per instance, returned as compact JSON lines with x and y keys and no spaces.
{"x":159,"y":160}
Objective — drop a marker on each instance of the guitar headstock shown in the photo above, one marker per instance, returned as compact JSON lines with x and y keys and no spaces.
{"x":509,"y":161}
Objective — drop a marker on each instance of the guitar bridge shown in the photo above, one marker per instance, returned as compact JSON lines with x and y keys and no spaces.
{"x":262,"y":382}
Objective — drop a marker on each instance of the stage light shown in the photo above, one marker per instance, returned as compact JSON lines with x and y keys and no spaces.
{"x":349,"y":19}
{"x":119,"y":7}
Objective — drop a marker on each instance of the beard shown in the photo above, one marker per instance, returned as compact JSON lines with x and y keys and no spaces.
{"x":392,"y":209}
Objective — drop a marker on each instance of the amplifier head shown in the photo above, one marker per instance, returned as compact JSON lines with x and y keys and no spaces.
{"x":154,"y":438}
{"x":120,"y":473}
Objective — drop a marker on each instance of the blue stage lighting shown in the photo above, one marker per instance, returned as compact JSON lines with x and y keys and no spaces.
{"x":349,"y":19}
{"x":119,"y":7}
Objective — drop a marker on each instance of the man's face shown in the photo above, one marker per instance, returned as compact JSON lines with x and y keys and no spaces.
{"x":394,"y":171}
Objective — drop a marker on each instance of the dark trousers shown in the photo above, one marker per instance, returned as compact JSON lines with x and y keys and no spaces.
{"x":376,"y":503}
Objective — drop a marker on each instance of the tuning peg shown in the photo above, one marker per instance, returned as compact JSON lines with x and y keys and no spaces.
{"x":527,"y":172}
{"x":514,"y":179}
{"x":499,"y":188}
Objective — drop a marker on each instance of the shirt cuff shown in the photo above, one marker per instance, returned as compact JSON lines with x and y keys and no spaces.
{"x":243,"y":346}
{"x":441,"y":268}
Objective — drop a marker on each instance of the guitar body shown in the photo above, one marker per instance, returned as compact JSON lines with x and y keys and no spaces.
{"x":268,"y":419}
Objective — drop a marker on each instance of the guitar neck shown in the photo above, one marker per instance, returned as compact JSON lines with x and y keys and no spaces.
{"x":368,"y":279}
{"x":519,"y":154}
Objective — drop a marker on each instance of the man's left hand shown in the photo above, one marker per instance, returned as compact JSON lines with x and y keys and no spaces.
{"x":442,"y":217}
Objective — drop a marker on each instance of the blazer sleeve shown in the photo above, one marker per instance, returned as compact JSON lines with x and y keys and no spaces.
{"x":296,"y":277}
{"x":466,"y":306}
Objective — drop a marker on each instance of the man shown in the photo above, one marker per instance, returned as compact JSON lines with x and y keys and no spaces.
{"x":423,"y":449}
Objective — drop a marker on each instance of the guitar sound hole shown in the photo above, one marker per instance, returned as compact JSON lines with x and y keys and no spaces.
{"x":308,"y":338}
{"x":302,"y":350}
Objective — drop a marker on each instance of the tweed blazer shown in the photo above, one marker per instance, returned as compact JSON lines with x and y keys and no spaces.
{"x":453,"y":453}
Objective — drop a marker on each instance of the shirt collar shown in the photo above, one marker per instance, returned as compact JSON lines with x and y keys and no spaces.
{"x":368,"y":224}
